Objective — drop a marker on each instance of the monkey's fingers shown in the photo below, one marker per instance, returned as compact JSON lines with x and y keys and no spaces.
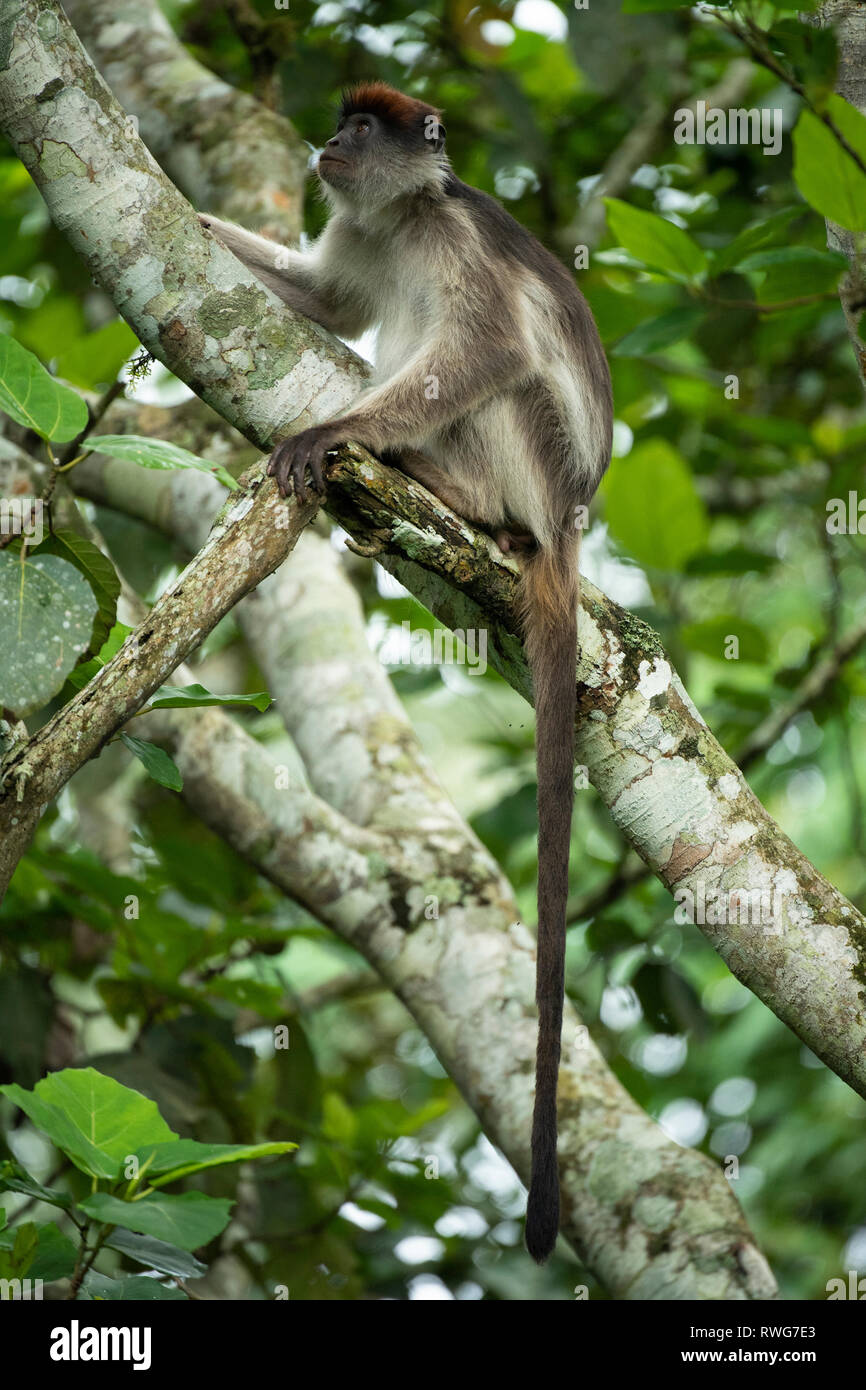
{"x":317,"y":464}
{"x":299,"y":478}
{"x":279,"y":464}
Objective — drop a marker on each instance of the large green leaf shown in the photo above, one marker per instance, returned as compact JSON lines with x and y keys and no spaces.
{"x":189,"y":1220}
{"x":655,"y":241}
{"x":32,"y":397}
{"x":825,"y":173}
{"x":13,"y":1178}
{"x":156,"y":453}
{"x":97,"y":569}
{"x":653,"y":507}
{"x":92,"y":1118}
{"x":47,"y":612}
{"x":184,"y":1156}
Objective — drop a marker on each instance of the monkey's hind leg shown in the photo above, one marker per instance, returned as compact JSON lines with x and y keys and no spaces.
{"x":436,"y":480}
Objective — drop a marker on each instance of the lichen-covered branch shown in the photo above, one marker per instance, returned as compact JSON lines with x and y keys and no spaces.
{"x":220,"y":146}
{"x":397,"y":873}
{"x":435,"y":917}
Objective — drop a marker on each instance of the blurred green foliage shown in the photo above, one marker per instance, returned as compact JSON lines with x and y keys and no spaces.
{"x":740,"y":417}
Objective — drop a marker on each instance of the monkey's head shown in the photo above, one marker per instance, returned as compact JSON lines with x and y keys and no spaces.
{"x":386,"y":145}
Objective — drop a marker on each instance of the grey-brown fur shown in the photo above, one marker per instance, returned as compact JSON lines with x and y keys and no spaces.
{"x":493,"y":390}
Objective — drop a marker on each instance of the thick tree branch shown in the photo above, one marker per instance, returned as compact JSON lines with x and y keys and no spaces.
{"x":220,"y":146}
{"x":651,"y":1219}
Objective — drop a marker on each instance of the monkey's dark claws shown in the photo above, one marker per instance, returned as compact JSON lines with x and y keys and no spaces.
{"x":292,"y":457}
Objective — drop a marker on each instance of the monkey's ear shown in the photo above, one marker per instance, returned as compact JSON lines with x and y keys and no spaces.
{"x":439,"y":142}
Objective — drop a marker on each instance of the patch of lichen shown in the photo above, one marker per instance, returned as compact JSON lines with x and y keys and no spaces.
{"x":223,"y":311}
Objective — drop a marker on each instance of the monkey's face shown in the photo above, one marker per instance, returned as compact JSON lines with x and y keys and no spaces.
{"x":371,"y":161}
{"x":346,"y":156}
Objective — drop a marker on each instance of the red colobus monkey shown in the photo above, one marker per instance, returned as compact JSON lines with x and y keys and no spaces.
{"x":515,"y":436}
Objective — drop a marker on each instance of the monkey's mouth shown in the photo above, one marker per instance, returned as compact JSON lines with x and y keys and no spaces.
{"x":330,"y":159}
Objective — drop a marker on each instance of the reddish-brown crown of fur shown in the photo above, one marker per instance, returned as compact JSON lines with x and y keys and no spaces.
{"x":391,"y":106}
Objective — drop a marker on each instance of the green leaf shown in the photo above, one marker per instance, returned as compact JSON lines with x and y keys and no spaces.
{"x":653,"y":507}
{"x":762,"y":234}
{"x":798,"y":256}
{"x":825,"y":173}
{"x":54,"y":1255}
{"x":156,"y":1254}
{"x":194,"y":696}
{"x":157,"y":762}
{"x":338,"y":1119}
{"x":97,"y":569}
{"x":91,"y":1118}
{"x":18,"y":1245}
{"x":188,"y":1220}
{"x":658,"y":333}
{"x":655,"y":241}
{"x":810,"y":51}
{"x":96,"y":358}
{"x":793,"y":272}
{"x":711,"y":636}
{"x":55,"y":320}
{"x":156,"y":453}
{"x":47,"y":612}
{"x":13,"y":1178}
{"x":86,"y":670}
{"x":32,"y":397}
{"x":183,"y":1156}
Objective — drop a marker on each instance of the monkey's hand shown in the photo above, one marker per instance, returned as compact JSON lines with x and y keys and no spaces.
{"x":293,"y":456}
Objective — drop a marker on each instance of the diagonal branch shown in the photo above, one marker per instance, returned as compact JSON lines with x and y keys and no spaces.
{"x":219,"y":145}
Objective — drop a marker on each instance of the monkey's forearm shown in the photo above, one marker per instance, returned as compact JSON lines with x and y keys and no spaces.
{"x":292,"y":275}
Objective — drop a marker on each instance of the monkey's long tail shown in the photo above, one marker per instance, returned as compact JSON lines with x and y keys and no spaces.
{"x":548,"y":601}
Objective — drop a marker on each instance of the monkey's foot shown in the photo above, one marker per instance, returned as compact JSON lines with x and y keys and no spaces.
{"x":517,"y":542}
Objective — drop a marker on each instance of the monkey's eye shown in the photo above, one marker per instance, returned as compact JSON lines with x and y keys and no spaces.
{"x":362,"y":128}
